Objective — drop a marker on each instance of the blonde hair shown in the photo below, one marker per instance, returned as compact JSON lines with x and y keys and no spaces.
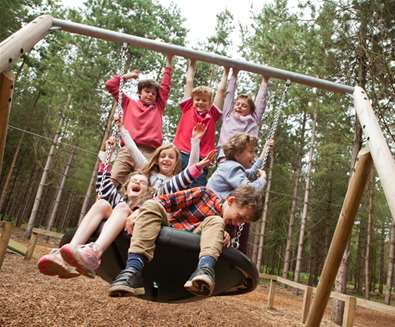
{"x":237,"y":143}
{"x":153,"y":165}
{"x":202,"y":90}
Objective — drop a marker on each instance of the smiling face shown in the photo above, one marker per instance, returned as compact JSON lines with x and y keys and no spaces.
{"x":246,"y":157}
{"x":148,"y":95}
{"x":138,"y":185}
{"x":242,"y":107}
{"x":235,"y":214}
{"x":201,"y":102}
{"x":167,"y":162}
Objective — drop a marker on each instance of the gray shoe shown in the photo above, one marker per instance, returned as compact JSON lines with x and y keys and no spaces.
{"x":129,"y":282}
{"x":201,"y":282}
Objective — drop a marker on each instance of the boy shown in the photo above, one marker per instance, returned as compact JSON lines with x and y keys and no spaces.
{"x":197,"y":107}
{"x":142,"y":118}
{"x":198,"y":210}
{"x":237,"y":169}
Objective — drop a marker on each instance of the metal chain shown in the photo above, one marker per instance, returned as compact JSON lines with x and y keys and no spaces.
{"x":235,"y":242}
{"x":115,"y":128}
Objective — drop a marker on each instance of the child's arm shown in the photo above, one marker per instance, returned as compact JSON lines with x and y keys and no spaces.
{"x":197,"y":134}
{"x":165,"y":84}
{"x":252,"y":172}
{"x":112,"y":85}
{"x":230,"y":93}
{"x":189,"y":79}
{"x":261,"y":98}
{"x":220,"y":95}
{"x":182,"y":199}
{"x":237,"y":176}
{"x":139,"y":159}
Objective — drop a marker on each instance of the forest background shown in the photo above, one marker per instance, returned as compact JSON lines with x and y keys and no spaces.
{"x":60,"y":112}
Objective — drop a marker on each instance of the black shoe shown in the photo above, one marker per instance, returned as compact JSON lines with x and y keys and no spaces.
{"x":201,"y":282}
{"x":129,"y":282}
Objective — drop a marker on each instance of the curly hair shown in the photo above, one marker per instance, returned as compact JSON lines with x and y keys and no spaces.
{"x":249,"y":100}
{"x":203,"y":90}
{"x":149,"y":84}
{"x":248,"y":196}
{"x":153,"y":165}
{"x":237,"y":143}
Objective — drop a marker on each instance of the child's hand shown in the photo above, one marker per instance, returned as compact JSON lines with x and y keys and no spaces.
{"x":118,"y":120}
{"x":261,"y":174}
{"x":110,"y":143}
{"x":134,"y":74}
{"x":198,"y":131}
{"x":235,"y":71}
{"x":207,"y":160}
{"x":169,"y":59}
{"x":129,"y":224}
{"x":226,"y":239}
{"x":269,"y":145}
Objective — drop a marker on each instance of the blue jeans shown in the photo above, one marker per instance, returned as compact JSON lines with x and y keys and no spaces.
{"x":202,"y":179}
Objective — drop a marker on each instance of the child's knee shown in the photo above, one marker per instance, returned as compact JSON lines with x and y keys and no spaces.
{"x":215,"y":221}
{"x":103,"y":206}
{"x":123,"y":207}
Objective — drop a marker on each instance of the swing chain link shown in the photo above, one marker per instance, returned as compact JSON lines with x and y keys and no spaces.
{"x":235,"y":242}
{"x":115,"y":132}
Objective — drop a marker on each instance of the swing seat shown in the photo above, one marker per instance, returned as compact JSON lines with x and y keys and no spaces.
{"x":175,"y":258}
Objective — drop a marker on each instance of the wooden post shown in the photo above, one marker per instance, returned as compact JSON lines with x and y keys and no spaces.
{"x":307,"y":296}
{"x":349,"y":311}
{"x":272,"y":290}
{"x":4,"y":239}
{"x":6,"y":90}
{"x":31,"y":246}
{"x":340,"y":238}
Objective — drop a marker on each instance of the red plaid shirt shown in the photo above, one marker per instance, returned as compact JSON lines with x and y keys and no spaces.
{"x":191,"y":207}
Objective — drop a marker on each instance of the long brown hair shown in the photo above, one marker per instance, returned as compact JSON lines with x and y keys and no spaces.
{"x":152,"y":164}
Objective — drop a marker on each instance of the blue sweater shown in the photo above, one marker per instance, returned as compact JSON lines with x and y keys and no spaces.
{"x":231,"y":174}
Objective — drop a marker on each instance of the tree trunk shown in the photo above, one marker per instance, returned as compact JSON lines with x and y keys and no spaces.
{"x":369,"y":233}
{"x":9,"y":175}
{"x":390,"y":269}
{"x":92,"y":181}
{"x":382,"y":273}
{"x":306,"y":201}
{"x":44,"y":176}
{"x":298,"y":167}
{"x":67,"y":211}
{"x":264,"y":214}
{"x":60,"y":190}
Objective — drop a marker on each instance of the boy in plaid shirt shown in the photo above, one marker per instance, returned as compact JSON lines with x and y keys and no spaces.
{"x":197,"y":210}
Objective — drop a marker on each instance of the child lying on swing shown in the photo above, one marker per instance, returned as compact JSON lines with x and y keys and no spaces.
{"x":197,"y":210}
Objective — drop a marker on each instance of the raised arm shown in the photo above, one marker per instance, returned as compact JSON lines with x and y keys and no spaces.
{"x":112,"y":85}
{"x":189,"y":79}
{"x":139,"y":159}
{"x":230,"y":92}
{"x":261,"y":98}
{"x":197,"y":134}
{"x":220,"y":95}
{"x":165,"y":84}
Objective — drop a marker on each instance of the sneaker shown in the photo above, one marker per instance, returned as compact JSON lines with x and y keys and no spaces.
{"x":201,"y":282}
{"x":129,"y":282}
{"x":83,"y":257}
{"x":52,"y":264}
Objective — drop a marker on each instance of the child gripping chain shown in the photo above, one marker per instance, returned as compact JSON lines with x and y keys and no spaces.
{"x":198,"y":210}
{"x":141,"y":118}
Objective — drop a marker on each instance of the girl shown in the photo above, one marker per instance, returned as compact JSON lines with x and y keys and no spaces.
{"x":115,"y":208}
{"x":241,"y":115}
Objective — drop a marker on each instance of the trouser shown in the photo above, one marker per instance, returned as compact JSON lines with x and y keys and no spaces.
{"x":124,"y":164}
{"x":152,"y":216}
{"x":202,"y":179}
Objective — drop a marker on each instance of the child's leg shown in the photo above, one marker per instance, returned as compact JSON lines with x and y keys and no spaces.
{"x":142,"y":246}
{"x":202,"y":281}
{"x":100,"y":210}
{"x":122,"y":167}
{"x":112,"y":227}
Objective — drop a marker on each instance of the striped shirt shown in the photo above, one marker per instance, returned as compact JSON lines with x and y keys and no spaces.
{"x":165,"y":185}
{"x":191,"y":207}
{"x":109,"y":192}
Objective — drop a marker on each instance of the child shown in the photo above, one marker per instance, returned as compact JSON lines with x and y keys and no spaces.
{"x":197,"y":107}
{"x":242,"y":115}
{"x":239,"y":169}
{"x":142,"y":118}
{"x":198,"y":210}
{"x":114,"y":207}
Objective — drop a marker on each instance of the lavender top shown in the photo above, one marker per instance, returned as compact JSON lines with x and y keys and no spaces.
{"x":234,"y":123}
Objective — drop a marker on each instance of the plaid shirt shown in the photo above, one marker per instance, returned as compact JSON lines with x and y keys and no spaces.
{"x":191,"y":207}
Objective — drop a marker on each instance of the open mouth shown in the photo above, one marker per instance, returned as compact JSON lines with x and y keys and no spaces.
{"x":136,"y":188}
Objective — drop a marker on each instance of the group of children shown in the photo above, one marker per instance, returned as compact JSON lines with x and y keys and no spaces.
{"x":153,"y":184}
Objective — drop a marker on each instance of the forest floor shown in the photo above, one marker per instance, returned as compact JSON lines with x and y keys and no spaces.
{"x":28,"y":298}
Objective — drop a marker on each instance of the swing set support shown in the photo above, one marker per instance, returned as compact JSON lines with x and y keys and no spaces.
{"x":21,"y":42}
